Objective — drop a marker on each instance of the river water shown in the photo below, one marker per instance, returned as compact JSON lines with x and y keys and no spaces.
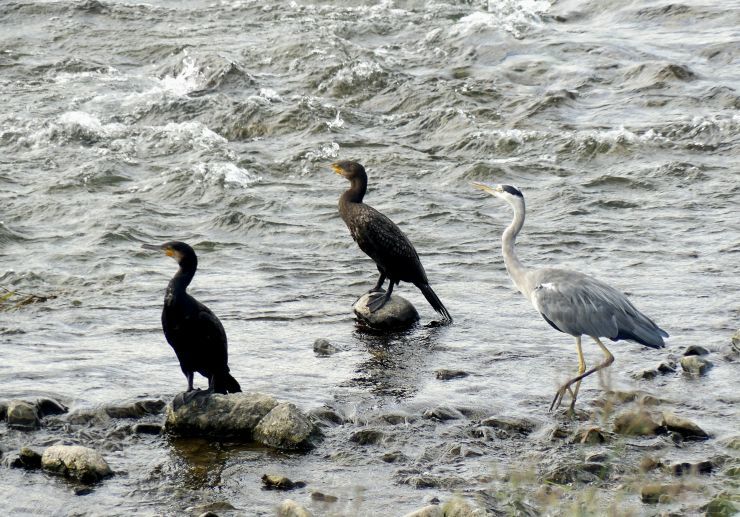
{"x":215,"y":122}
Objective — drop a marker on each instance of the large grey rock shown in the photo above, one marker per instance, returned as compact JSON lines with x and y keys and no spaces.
{"x":285,"y":427}
{"x":289,"y":508}
{"x":23,"y":415}
{"x":76,"y":461}
{"x":215,"y":415}
{"x":397,"y":313}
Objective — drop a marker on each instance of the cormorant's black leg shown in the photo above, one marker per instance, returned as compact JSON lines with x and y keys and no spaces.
{"x":380,"y":299}
{"x":379,"y":285}
{"x":189,"y":376}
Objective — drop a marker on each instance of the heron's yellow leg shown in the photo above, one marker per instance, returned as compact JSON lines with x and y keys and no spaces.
{"x":609,"y":360}
{"x":581,"y":369}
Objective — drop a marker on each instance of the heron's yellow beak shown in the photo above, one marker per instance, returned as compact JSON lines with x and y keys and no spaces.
{"x":337,"y":169}
{"x":491,"y":189}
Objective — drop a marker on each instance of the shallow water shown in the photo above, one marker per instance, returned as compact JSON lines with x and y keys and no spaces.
{"x":216,"y":123}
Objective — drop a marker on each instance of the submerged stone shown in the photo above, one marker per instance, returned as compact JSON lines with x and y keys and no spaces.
{"x":322,"y":348}
{"x":509,"y":425}
{"x":446,"y":375}
{"x":397,"y":313}
{"x":285,"y":427}
{"x":22,"y":415}
{"x":367,"y":437}
{"x":27,"y":459}
{"x":136,"y":409}
{"x":146,"y":428}
{"x":276,"y":482}
{"x":76,"y":461}
{"x":695,"y":350}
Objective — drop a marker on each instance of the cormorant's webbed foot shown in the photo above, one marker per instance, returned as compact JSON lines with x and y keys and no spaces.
{"x":378,"y":301}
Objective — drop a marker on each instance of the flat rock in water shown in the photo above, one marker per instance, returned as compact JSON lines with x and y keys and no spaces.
{"x":136,"y":409}
{"x":76,"y":461}
{"x":285,"y":427}
{"x":275,"y":482}
{"x":685,"y":428}
{"x":22,"y":415}
{"x":397,"y":313}
{"x":323,"y":348}
{"x":215,"y":415}
{"x":445,"y":375}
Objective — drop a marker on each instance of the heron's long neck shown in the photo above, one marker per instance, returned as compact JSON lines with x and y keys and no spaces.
{"x":516,"y":269}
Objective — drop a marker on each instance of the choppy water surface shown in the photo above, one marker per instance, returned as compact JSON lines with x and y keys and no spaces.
{"x":215,"y":123}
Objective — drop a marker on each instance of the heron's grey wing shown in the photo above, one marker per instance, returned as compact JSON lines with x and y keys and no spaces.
{"x":577,"y":304}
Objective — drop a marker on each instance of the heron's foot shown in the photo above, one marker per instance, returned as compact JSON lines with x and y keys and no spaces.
{"x":377,"y":301}
{"x":560,"y":394}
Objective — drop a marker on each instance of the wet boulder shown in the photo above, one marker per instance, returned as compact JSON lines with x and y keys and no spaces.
{"x":695,"y":350}
{"x":686,"y":428}
{"x":285,"y":427}
{"x":367,"y":437}
{"x":509,"y":426}
{"x":289,"y":508}
{"x":695,"y":365}
{"x":75,"y":461}
{"x":22,"y":415}
{"x":397,"y":313}
{"x":218,"y":416}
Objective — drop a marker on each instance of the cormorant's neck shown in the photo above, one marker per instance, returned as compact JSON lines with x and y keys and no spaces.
{"x":356,"y":190}
{"x":182,"y":279}
{"x":516,"y":269}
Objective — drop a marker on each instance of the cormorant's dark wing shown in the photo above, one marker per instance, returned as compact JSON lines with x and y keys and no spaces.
{"x":578,"y":304}
{"x":387,"y":245}
{"x":212,"y":332}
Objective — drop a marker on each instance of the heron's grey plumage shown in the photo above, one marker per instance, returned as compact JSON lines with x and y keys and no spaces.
{"x":572,"y":302}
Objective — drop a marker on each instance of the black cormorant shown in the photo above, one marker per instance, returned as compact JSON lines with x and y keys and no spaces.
{"x":382,"y":241}
{"x":193,"y":331}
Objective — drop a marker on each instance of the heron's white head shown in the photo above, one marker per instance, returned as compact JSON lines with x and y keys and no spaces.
{"x":511,"y":195}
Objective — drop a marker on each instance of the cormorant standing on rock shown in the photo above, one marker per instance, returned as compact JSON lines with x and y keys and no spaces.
{"x":193,"y":331}
{"x":382,"y":241}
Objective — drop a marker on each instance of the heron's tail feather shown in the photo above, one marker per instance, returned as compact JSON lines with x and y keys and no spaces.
{"x":645,"y":332}
{"x":225,"y":383}
{"x":434,"y":301}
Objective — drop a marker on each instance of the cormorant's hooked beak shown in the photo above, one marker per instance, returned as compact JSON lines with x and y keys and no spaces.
{"x":491,"y":189}
{"x":338,"y":169}
{"x":159,"y":247}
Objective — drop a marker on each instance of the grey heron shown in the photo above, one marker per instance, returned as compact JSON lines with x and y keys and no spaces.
{"x":572,"y":302}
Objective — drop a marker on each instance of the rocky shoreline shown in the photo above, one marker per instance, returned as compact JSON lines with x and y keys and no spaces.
{"x":624,"y":442}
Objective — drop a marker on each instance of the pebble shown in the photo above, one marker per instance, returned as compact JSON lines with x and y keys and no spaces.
{"x":367,"y":437}
{"x":145,"y":428}
{"x":695,"y":350}
{"x":289,"y":508}
{"x":442,"y":413}
{"x":47,"y":407}
{"x":635,"y":423}
{"x":27,"y":459}
{"x":319,"y":496}
{"x":322,"y":348}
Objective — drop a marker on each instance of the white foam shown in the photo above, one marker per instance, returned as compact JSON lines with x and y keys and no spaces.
{"x":227,"y":172}
{"x":188,"y":80}
{"x":513,"y":16}
{"x":337,"y":123}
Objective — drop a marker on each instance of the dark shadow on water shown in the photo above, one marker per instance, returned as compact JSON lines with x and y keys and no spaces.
{"x":398,"y":362}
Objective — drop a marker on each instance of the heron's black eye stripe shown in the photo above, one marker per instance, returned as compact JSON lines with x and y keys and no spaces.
{"x":512,"y":190}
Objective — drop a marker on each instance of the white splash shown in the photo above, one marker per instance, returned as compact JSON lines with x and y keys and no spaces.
{"x":188,"y":80}
{"x":226,"y":172}
{"x":337,"y":123}
{"x":514,"y":16}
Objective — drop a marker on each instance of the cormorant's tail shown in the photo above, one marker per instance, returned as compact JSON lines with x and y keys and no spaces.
{"x":225,"y":383}
{"x":436,"y":304}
